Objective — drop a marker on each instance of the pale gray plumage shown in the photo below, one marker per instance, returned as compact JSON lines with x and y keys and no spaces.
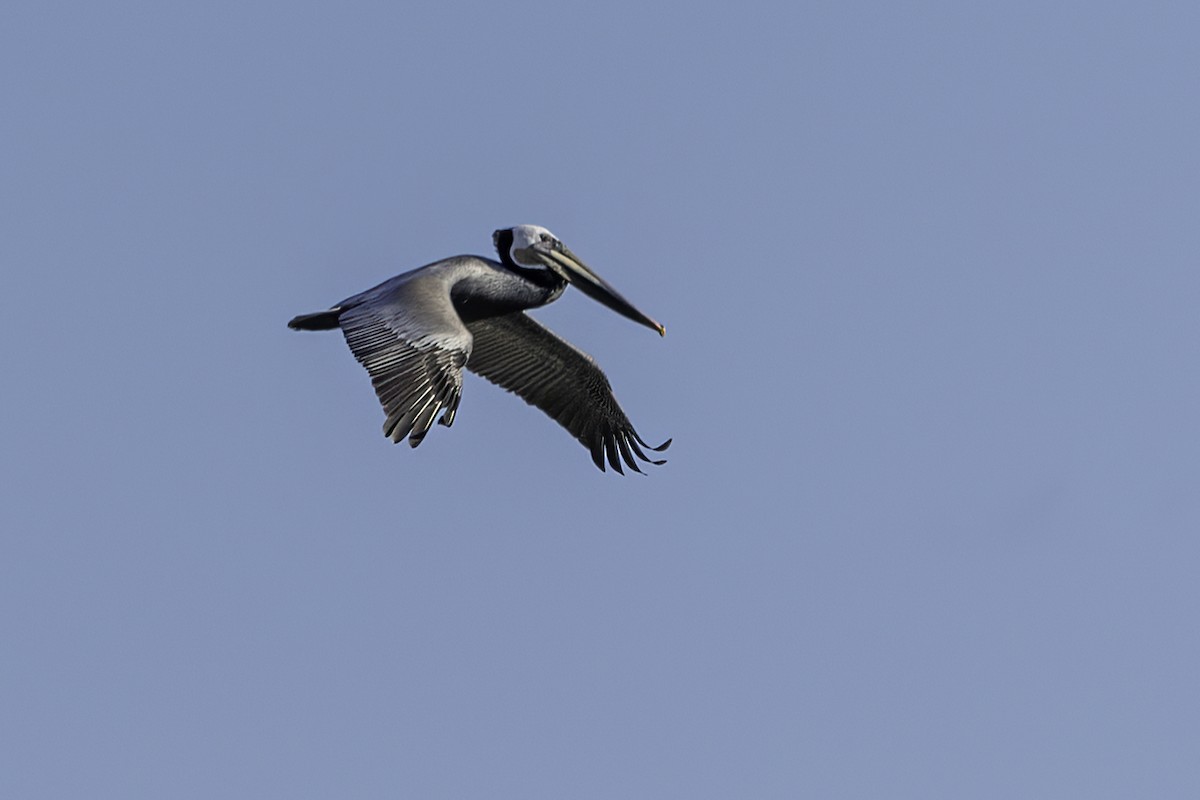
{"x":415,"y":332}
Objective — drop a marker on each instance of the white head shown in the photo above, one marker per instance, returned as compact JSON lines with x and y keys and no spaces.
{"x":526,"y":246}
{"x":516,"y":243}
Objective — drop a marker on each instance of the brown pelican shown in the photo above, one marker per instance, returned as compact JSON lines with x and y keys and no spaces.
{"x":415,"y":333}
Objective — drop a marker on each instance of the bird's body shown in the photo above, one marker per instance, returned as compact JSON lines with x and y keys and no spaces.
{"x":415,"y":332}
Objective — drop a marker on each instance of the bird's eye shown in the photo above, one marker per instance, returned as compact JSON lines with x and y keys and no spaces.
{"x":545,"y":237}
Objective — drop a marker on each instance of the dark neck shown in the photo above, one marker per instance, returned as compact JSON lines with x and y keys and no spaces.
{"x":542,"y":278}
{"x":503,"y":289}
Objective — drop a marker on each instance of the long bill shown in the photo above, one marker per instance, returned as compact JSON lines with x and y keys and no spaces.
{"x":579,"y":275}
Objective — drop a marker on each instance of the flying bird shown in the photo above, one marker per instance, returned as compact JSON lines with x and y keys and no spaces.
{"x":415,"y":332}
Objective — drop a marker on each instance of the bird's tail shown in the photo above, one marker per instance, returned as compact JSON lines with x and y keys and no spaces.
{"x":317,"y":321}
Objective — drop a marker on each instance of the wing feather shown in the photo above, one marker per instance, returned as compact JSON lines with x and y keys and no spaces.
{"x":520,"y":355}
{"x":413,"y":344}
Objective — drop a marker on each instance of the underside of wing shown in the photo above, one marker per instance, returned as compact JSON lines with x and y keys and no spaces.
{"x":413,"y":344}
{"x":519,"y":354}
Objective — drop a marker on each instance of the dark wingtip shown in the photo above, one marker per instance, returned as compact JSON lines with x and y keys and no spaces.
{"x":610,"y":447}
{"x":597,"y":448}
{"x":628,"y":455}
{"x":622,"y":450}
{"x":318,"y":321}
{"x":646,"y":444}
{"x":633,"y":443}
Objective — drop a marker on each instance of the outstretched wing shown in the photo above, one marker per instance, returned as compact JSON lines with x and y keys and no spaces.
{"x":413,"y":343}
{"x":520,"y":355}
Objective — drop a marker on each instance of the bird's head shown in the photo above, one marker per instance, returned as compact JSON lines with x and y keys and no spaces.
{"x":533,"y":246}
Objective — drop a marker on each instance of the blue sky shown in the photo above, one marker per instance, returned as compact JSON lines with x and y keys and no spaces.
{"x":929,"y":526}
